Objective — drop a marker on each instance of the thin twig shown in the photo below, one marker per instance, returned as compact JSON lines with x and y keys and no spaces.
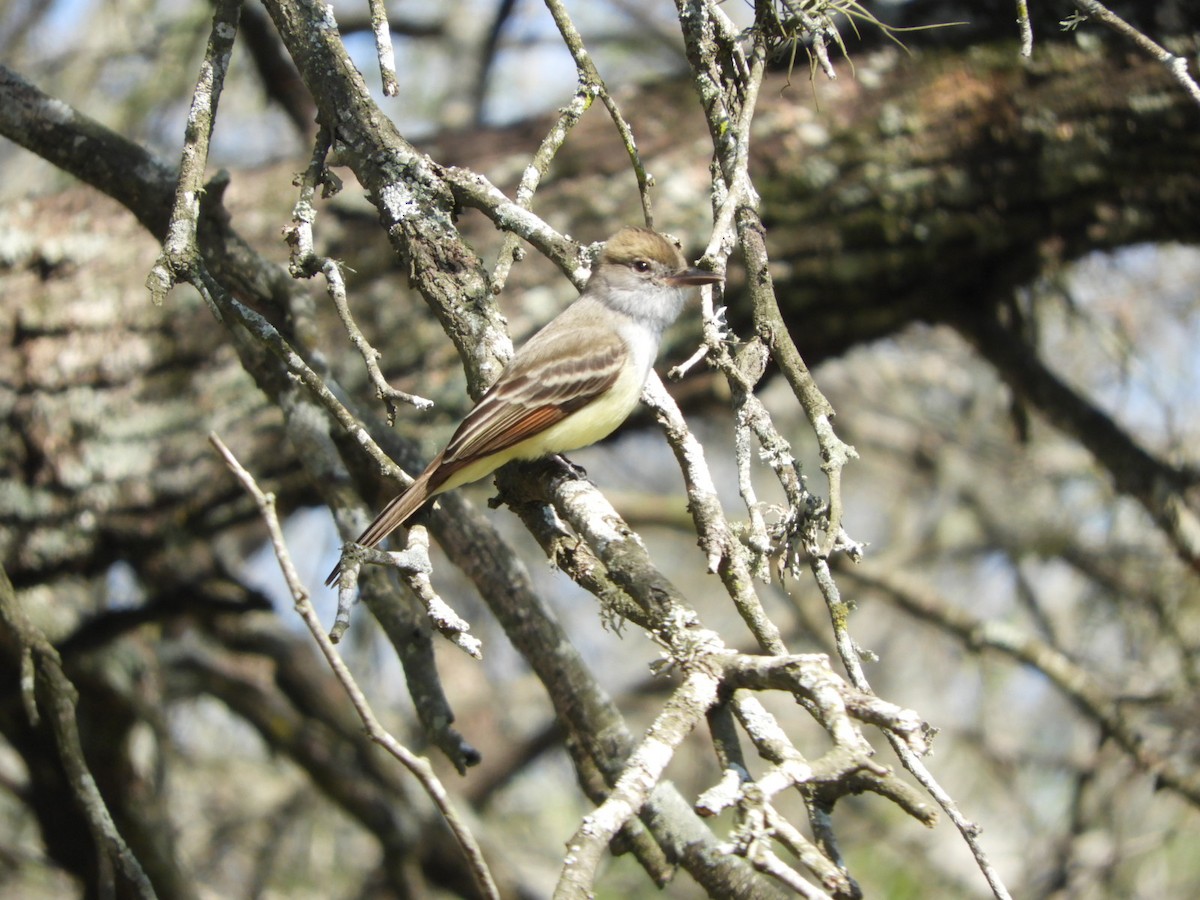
{"x":1075,"y":682}
{"x":851,"y":658}
{"x":1176,"y":65}
{"x":305,"y":263}
{"x":223,"y":305}
{"x":643,"y":771}
{"x":473,"y":190}
{"x":181,"y":253}
{"x":415,"y":572}
{"x":383,"y":48}
{"x":568,"y":118}
{"x":49,"y":694}
{"x":417,"y":765}
{"x":589,"y":76}
{"x":725,"y":554}
{"x":1026,"y":28}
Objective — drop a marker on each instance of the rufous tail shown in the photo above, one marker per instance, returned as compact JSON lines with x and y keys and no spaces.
{"x":396,"y":513}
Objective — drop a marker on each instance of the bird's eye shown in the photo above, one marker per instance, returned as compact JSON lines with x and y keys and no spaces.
{"x":641,"y":265}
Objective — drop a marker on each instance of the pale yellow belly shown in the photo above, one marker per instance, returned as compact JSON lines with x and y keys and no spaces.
{"x":585,"y":426}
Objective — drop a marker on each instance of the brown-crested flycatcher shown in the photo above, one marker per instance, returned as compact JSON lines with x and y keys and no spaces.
{"x":573,"y":382}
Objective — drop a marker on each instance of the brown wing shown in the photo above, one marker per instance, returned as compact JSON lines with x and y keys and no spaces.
{"x":535,"y":393}
{"x":555,"y":374}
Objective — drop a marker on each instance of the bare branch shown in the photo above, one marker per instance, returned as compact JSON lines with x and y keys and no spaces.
{"x":48,"y":693}
{"x":306,"y":262}
{"x":417,"y":765}
{"x":1176,"y":65}
{"x":1025,"y":27}
{"x":181,"y":251}
{"x":589,"y":76}
{"x":383,"y":48}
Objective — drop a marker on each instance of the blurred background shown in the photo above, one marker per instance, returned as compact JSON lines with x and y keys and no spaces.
{"x":989,"y":263}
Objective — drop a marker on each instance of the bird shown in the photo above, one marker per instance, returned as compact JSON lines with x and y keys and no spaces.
{"x":571,"y":384}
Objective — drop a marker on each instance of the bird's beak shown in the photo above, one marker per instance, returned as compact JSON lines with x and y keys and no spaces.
{"x":686,"y":277}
